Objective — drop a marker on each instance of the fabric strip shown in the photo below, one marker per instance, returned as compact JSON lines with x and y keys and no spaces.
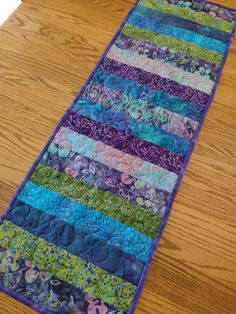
{"x":163,"y":18}
{"x":160,"y":127}
{"x":156,"y":82}
{"x":171,"y":43}
{"x":30,"y":279}
{"x":179,"y":60}
{"x":211,"y":9}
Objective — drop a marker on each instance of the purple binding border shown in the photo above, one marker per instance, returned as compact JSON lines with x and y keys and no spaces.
{"x":37,"y":307}
{"x":25,"y":300}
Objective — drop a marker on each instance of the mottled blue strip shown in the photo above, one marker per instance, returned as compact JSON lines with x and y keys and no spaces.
{"x":158,"y":97}
{"x":142,"y":130}
{"x":87,"y":220}
{"x":71,"y":239}
{"x":163,"y":18}
{"x":179,"y":33}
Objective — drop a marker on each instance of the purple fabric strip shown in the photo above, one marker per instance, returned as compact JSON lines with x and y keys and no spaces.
{"x":156,"y":82}
{"x":125,"y":142}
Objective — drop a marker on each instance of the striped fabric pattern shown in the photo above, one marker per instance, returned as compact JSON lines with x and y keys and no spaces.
{"x":79,"y":234}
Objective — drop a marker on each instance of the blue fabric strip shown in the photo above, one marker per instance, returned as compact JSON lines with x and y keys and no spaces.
{"x":71,"y":239}
{"x":179,"y":33}
{"x":157,"y":97}
{"x":87,"y":220}
{"x":142,"y":130}
{"x":183,"y":23}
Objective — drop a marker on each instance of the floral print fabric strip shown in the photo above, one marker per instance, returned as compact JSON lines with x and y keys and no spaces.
{"x":78,"y":236}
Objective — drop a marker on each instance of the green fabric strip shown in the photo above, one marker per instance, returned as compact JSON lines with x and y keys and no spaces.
{"x":67,"y":267}
{"x":188,"y":14}
{"x":107,"y":203}
{"x":172,"y":43}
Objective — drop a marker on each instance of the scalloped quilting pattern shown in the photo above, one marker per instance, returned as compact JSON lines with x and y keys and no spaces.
{"x":67,"y":267}
{"x":84,"y":245}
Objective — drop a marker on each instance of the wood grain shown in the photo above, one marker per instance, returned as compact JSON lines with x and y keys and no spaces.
{"x":47,"y":50}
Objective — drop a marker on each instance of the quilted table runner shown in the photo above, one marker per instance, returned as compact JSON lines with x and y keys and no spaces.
{"x":80,"y":232}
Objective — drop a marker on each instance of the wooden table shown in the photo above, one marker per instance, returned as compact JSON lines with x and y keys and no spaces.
{"x":47,"y":50}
